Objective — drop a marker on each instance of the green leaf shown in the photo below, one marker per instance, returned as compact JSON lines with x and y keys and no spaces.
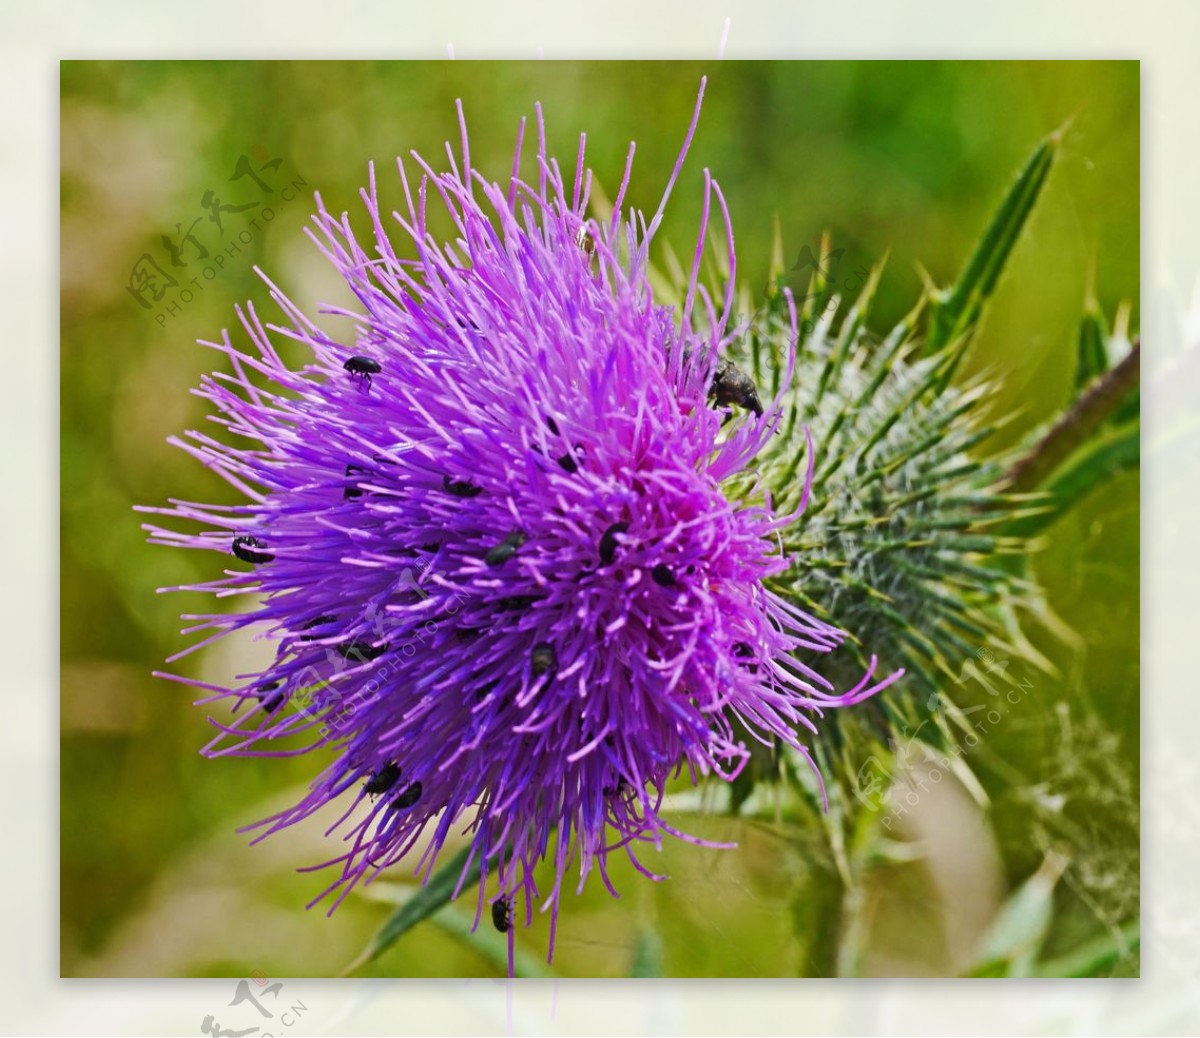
{"x":955,"y":311}
{"x":1091,"y":355}
{"x":1016,"y":934}
{"x":428,"y":899}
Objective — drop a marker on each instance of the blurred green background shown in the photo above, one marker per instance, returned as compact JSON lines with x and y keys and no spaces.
{"x":906,"y":159}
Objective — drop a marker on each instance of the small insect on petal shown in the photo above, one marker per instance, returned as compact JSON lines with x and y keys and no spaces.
{"x":268,"y":697}
{"x":354,"y":491}
{"x":731,"y":385}
{"x":358,"y":649}
{"x":244,"y":549}
{"x":569,"y":461}
{"x":319,"y":621}
{"x":517,"y":603}
{"x":618,"y":790}
{"x":364,"y":368}
{"x":383,"y":779}
{"x":460,"y":487}
{"x":584,"y":241}
{"x":608,"y":542}
{"x":506,"y":549}
{"x":502,"y":914}
{"x":408,"y":796}
{"x":662,"y":575}
{"x":746,"y":652}
{"x":543,"y":659}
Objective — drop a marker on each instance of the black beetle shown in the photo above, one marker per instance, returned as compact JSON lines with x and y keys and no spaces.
{"x":408,"y":796}
{"x":608,"y":542}
{"x":502,"y":914}
{"x":268,"y":697}
{"x":460,"y":487}
{"x":361,"y":650}
{"x":364,"y":367}
{"x":543,"y":659}
{"x":383,"y":779}
{"x":243,"y":548}
{"x":662,"y":575}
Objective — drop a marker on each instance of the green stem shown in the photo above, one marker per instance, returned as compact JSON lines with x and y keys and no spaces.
{"x":1075,"y":427}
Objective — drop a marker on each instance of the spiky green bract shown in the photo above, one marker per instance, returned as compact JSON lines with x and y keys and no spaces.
{"x":898,"y":535}
{"x":956,"y":311}
{"x":911,"y":528}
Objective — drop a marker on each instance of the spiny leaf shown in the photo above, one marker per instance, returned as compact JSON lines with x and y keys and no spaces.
{"x":956,"y":311}
{"x":1091,"y":355}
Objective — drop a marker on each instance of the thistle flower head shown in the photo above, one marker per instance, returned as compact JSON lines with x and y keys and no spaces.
{"x":490,"y":540}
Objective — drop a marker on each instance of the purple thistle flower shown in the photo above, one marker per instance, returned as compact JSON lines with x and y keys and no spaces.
{"x":490,"y":543}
